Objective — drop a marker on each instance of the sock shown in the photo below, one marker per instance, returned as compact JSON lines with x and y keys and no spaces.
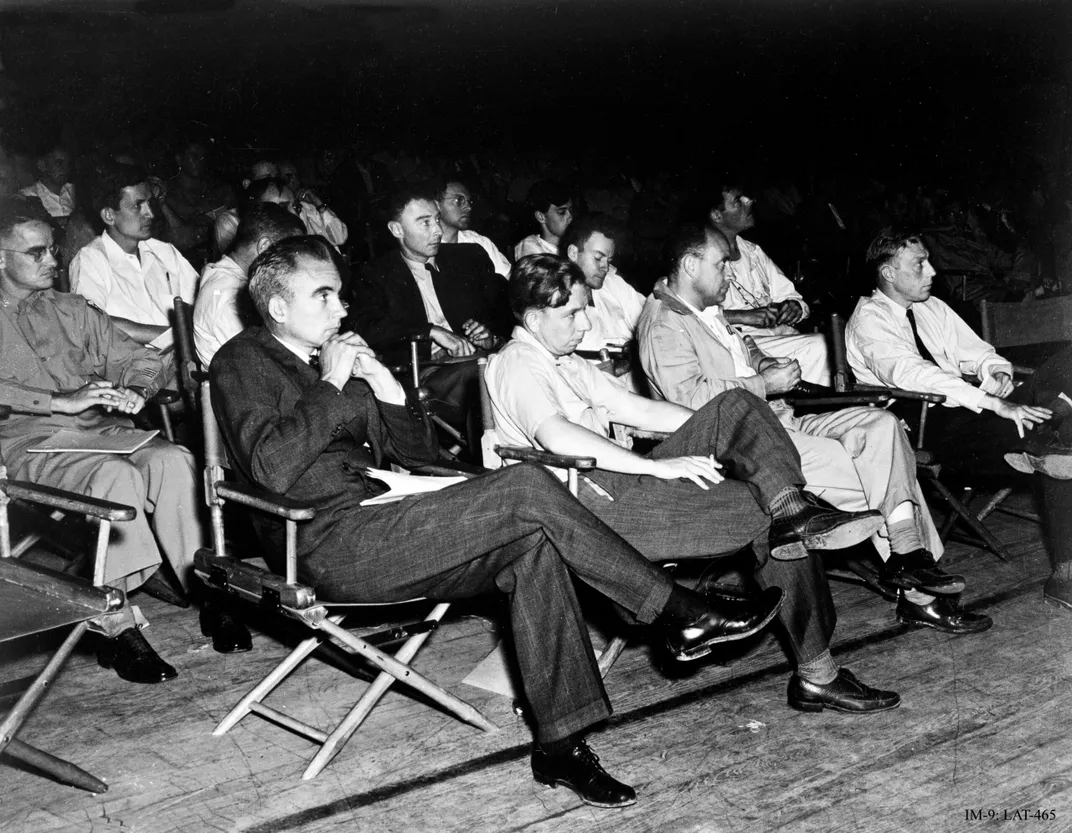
{"x":917,"y":598}
{"x":684,"y":605}
{"x":820,"y":671}
{"x":788,"y":502}
{"x":554,"y":748}
{"x":904,"y":536}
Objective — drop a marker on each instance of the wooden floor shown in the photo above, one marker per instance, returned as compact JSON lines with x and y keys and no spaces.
{"x":985,"y":727}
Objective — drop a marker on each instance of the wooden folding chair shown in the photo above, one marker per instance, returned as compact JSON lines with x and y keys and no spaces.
{"x":286,"y":597}
{"x":35,"y":600}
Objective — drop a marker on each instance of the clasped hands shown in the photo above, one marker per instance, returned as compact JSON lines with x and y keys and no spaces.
{"x":775,"y":313}
{"x":100,"y":393}
{"x":474,"y":336}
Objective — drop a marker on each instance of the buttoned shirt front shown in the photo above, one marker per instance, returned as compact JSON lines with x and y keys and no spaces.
{"x":57,"y":205}
{"x":614,"y":313}
{"x":528,"y":385}
{"x":882,"y":351}
{"x":498,"y":259}
{"x":534,"y":245}
{"x":141,"y":287}
{"x":216,"y":318}
{"x":756,"y":281}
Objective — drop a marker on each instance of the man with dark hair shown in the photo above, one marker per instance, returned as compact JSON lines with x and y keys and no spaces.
{"x":53,"y":186}
{"x":760,"y":300}
{"x":903,"y":337}
{"x":311,"y":434}
{"x":218,"y":312}
{"x":448,"y":294}
{"x":455,"y":205}
{"x":552,"y":205}
{"x":854,"y":458}
{"x":677,"y":501}
{"x":125,"y":272}
{"x":66,"y":367}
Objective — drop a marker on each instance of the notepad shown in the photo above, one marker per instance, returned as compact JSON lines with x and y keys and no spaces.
{"x":402,"y":485}
{"x":126,"y":442}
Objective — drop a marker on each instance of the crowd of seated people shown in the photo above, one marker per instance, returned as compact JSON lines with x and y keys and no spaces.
{"x":311,"y":274}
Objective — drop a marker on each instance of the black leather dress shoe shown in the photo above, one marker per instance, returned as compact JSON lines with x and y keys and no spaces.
{"x":229,"y":636}
{"x":943,"y":614}
{"x":844,"y":694}
{"x":134,"y":659}
{"x":821,"y":528}
{"x":725,"y":620}
{"x":579,"y":770}
{"x":918,"y":570}
{"x":1057,"y":592}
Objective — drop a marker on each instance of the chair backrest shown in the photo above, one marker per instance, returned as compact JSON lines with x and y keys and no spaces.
{"x":1030,"y":322}
{"x":187,"y":365}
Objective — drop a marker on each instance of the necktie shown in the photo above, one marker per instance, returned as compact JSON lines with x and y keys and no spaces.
{"x":431,"y":269}
{"x":923,"y":351}
{"x":314,"y":360}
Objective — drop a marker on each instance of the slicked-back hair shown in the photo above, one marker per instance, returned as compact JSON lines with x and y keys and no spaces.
{"x":14,"y":211}
{"x":685,"y":240}
{"x":106,"y":181}
{"x":266,"y":219}
{"x":889,"y":243}
{"x":407,"y":194}
{"x":578,"y":232}
{"x":271,"y":274}
{"x":542,"y":282}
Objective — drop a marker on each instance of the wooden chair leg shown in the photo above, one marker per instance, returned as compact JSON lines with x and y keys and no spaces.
{"x":610,"y":655}
{"x":992,"y":543}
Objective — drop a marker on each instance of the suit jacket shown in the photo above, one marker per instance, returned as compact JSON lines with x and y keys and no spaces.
{"x":291,"y":433}
{"x":386,"y":306}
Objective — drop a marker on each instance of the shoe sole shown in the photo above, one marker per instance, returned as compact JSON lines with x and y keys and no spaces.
{"x":817,"y":706}
{"x":701,"y":651}
{"x":790,"y":552}
{"x":950,"y":589}
{"x":915,"y":623}
{"x":845,"y":535}
{"x":555,"y":782}
{"x":1057,"y":466}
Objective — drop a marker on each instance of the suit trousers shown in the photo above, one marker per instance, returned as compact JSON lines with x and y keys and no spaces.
{"x":674,"y":519}
{"x":519,"y":531}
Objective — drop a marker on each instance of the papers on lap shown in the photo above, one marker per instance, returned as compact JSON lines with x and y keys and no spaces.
{"x":126,"y":442}
{"x":402,"y":485}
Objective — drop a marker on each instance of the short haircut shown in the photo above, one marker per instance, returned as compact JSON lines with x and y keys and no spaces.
{"x":585,"y":226}
{"x":889,"y":243}
{"x":716,"y":200}
{"x":106,"y":181}
{"x":407,"y":194}
{"x":546,"y":193}
{"x":440,"y":186}
{"x":271,"y":272}
{"x":542,"y":282}
{"x":685,"y":240}
{"x":14,"y":211}
{"x":259,"y":187}
{"x":269,"y":220}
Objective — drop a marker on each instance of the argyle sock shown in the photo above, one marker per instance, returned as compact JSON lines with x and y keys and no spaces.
{"x":788,"y":502}
{"x":819,"y":671}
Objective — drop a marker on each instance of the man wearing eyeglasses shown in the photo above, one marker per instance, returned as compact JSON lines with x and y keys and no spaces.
{"x":455,"y":205}
{"x":67,"y":367}
{"x":761,"y":301}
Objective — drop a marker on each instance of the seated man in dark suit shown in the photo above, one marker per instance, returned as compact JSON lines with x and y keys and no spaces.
{"x":311,"y":433}
{"x":449,"y":293}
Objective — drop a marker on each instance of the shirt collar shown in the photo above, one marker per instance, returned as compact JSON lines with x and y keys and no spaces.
{"x":303,"y":355}
{"x":890,"y":304}
{"x":525,"y":337}
{"x":112,"y":250}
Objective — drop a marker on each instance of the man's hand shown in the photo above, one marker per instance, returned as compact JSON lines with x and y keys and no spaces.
{"x":338,"y":357}
{"x":479,"y":335}
{"x":789,"y":312}
{"x":454,"y":344}
{"x":1025,"y":416}
{"x":133,"y":400}
{"x":91,"y":395}
{"x":999,"y":385}
{"x":780,"y":375}
{"x":309,"y":196}
{"x":762,"y":317}
{"x":696,"y":469}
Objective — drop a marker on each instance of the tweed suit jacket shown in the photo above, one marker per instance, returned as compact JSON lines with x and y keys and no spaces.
{"x":386,"y":305}
{"x":291,"y":433}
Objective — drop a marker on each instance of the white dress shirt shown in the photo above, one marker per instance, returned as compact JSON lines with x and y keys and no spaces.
{"x":534,"y":245}
{"x":498,"y":259}
{"x":614,"y":313}
{"x":325,"y":222}
{"x":882,"y":351}
{"x":57,"y":205}
{"x":216,"y":318}
{"x":756,"y":281}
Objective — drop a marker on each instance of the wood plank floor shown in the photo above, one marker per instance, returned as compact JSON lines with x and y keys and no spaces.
{"x":984,"y":726}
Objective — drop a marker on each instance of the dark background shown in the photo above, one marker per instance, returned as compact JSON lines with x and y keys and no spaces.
{"x":952,"y":89}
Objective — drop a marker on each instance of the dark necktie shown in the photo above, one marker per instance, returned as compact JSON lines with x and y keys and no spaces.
{"x":431,"y":269}
{"x":923,"y":351}
{"x":314,"y":360}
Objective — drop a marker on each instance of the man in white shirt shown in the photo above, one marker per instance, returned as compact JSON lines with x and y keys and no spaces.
{"x":314,"y":212}
{"x":53,"y":187}
{"x":218,"y":311}
{"x":552,"y":206}
{"x":127,"y":274}
{"x":902,"y":337}
{"x":455,"y":205}
{"x":854,"y":458}
{"x":760,"y":300}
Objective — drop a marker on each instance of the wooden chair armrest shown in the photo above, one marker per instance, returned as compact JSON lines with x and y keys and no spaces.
{"x":60,"y":585}
{"x":900,"y":393}
{"x":546,"y":458}
{"x":265,"y":501}
{"x":250,"y":582}
{"x":68,"y":501}
{"x":166,"y":397}
{"x":836,"y":400}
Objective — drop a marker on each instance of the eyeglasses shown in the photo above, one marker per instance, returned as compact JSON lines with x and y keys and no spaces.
{"x":37,"y":252}
{"x":461,"y":200}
